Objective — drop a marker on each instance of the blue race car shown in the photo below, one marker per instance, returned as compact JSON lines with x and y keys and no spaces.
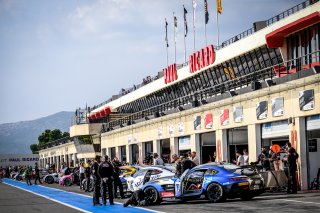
{"x":212,"y":181}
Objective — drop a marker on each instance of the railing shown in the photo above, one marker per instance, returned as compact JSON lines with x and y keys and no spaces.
{"x":232,"y":40}
{"x":269,"y":22}
{"x":275,"y":71}
{"x":56,"y":143}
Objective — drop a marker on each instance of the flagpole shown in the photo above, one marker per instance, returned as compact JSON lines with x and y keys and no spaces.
{"x":194,"y":28}
{"x":166,"y":23}
{"x":218,"y":25}
{"x":205,"y":26}
{"x":184,"y":36}
{"x":174,"y":37}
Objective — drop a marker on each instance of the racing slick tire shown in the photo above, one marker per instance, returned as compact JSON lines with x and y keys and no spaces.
{"x":67,"y":182}
{"x":153,"y":195}
{"x":49,"y":180}
{"x":215,"y":193}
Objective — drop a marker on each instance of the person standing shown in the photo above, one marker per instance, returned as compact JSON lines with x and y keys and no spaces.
{"x":292,"y":157}
{"x":194,"y":158}
{"x":246,"y":157}
{"x":116,"y":178}
{"x":27,"y":175}
{"x":81,"y":174}
{"x":105,"y":172}
{"x":177,"y":163}
{"x":157,"y":161}
{"x":240,"y":159}
{"x":87,"y":174}
{"x":37,"y":174}
{"x":96,"y":181}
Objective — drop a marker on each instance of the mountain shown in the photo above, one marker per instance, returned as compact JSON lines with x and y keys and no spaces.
{"x":15,"y":138}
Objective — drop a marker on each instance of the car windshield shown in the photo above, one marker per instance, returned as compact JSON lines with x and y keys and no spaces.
{"x":141,"y":172}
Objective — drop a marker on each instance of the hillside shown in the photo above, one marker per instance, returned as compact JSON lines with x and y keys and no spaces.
{"x":15,"y":138}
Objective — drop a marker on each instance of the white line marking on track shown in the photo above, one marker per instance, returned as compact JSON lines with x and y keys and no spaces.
{"x":150,"y":210}
{"x":65,"y":204}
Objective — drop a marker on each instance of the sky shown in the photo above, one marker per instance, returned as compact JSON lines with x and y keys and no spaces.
{"x":61,"y":55}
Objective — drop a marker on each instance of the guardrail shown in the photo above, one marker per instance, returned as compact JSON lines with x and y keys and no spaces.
{"x":275,"y":71}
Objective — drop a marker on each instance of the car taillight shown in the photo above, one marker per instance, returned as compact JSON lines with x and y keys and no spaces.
{"x":238,"y":178}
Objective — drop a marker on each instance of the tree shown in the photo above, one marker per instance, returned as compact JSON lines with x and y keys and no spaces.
{"x":44,"y":137}
{"x":66,"y":134}
{"x":55,"y":135}
{"x":34,"y":148}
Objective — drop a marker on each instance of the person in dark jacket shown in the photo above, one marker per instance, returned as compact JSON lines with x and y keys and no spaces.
{"x":37,"y":174}
{"x":138,"y":198}
{"x":105,"y":172}
{"x":292,"y":157}
{"x":116,"y":178}
{"x":186,"y":164}
{"x":96,"y":181}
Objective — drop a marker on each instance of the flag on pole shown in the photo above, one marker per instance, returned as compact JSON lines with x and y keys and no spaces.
{"x":206,"y":13}
{"x":166,"y":38}
{"x":194,"y":5}
{"x":175,"y":27}
{"x":219,"y":6}
{"x":185,"y":21}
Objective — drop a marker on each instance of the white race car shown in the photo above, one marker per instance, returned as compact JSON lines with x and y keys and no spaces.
{"x":51,"y":178}
{"x":146,"y":174}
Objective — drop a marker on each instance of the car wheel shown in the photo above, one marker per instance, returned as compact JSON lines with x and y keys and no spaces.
{"x":49,"y":180}
{"x":215,"y":193}
{"x":152,"y":195}
{"x":67,"y":182}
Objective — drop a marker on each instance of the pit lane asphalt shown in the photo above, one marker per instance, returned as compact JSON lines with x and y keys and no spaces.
{"x":277,"y":202}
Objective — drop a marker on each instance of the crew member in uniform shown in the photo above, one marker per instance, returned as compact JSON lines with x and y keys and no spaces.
{"x":96,"y":181}
{"x":37,"y":174}
{"x":87,"y":173}
{"x":105,"y":171}
{"x":116,"y":176}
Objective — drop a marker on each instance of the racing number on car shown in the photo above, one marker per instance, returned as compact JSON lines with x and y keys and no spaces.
{"x":153,"y":177}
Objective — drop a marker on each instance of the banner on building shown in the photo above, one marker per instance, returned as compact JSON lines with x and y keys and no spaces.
{"x":135,"y":138}
{"x":129,"y":139}
{"x":171,"y":130}
{"x":181,"y":128}
{"x":277,"y":105}
{"x":306,"y":100}
{"x":262,"y":110}
{"x":208,"y":121}
{"x":237,"y":114}
{"x":197,"y":122}
{"x":224,"y":117}
{"x":19,"y":159}
{"x":160,"y":131}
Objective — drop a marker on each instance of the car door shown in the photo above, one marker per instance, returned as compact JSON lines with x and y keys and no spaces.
{"x":192,"y":183}
{"x":178,"y":185}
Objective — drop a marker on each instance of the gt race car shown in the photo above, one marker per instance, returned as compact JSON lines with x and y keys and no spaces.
{"x":214,"y":182}
{"x":51,"y":178}
{"x":146,"y":174}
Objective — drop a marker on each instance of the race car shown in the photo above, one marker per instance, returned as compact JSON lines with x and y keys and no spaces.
{"x":68,"y":180}
{"x":51,"y":178}
{"x":146,"y":174}
{"x":213,"y":181}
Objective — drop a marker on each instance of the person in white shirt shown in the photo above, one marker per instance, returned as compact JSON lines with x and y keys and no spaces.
{"x":246,"y":157}
{"x":157,"y":160}
{"x":82,"y":177}
{"x":194,"y":158}
{"x":240,"y":159}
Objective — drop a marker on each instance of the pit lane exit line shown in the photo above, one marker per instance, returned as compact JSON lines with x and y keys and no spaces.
{"x":76,"y":201}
